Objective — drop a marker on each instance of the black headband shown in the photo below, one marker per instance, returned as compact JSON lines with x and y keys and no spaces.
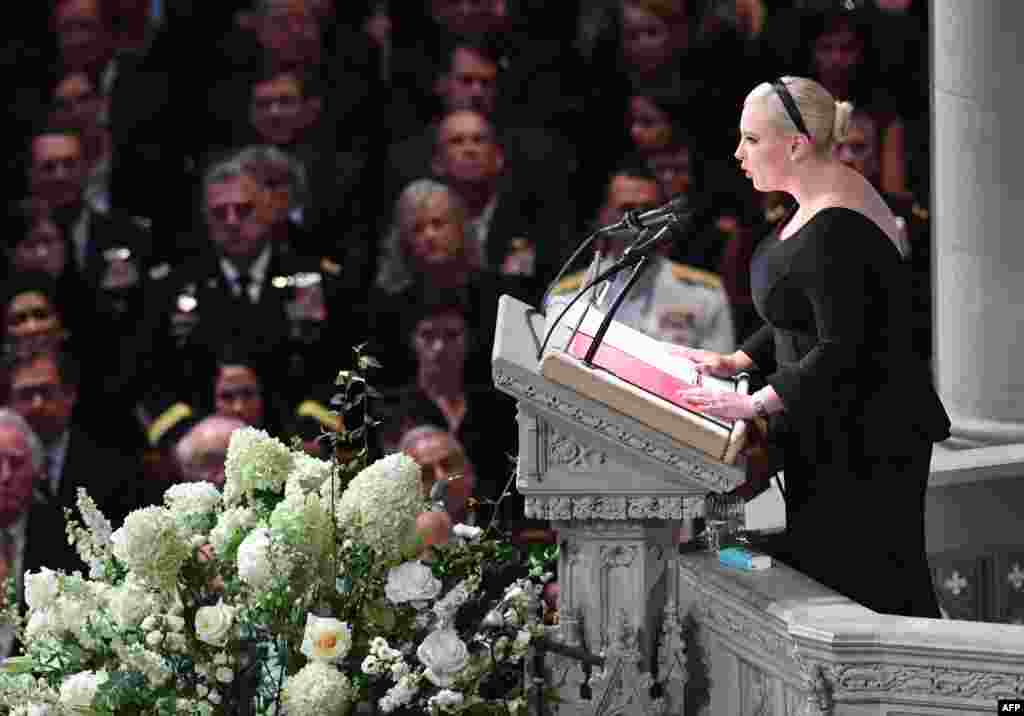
{"x":791,"y":109}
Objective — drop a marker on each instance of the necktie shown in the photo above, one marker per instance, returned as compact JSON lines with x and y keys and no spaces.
{"x":244,"y":280}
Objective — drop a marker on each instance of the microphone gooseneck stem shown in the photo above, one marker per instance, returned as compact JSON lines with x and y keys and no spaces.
{"x":595,"y":343}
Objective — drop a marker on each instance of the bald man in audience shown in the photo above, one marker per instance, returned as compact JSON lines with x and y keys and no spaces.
{"x":202,"y":451}
{"x":441,"y":457}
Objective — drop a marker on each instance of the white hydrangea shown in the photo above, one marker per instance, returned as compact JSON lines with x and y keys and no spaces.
{"x":308,"y":474}
{"x":230,"y":523}
{"x":301,"y":522}
{"x":131,"y":603}
{"x":192,"y":504}
{"x":256,"y":564}
{"x":151,"y":545}
{"x":318,"y":689}
{"x":380,"y":505}
{"x":255,"y":461}
{"x":445,"y":699}
{"x":41,"y":588}
{"x":78,"y":690}
{"x":401,"y":694}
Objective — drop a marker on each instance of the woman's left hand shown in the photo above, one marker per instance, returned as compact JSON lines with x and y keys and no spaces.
{"x":719,"y":403}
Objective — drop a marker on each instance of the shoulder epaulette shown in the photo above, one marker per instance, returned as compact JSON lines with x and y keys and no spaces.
{"x":685,"y":272}
{"x":570,"y":283}
{"x":330,"y":267}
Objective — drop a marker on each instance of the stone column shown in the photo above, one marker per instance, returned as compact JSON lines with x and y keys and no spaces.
{"x":978,"y":210}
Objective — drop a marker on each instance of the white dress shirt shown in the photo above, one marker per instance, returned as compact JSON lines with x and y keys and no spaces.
{"x":257,"y":274}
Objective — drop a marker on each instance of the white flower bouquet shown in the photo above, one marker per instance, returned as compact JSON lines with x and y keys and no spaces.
{"x":302,"y":588}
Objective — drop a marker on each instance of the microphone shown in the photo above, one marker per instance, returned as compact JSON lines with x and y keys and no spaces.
{"x":635,"y":221}
{"x":683,"y":223}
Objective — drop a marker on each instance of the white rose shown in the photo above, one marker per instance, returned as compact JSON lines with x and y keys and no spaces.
{"x":154,"y":638}
{"x":41,"y":588}
{"x":225,"y":675}
{"x":445,"y":655}
{"x":411,"y":582}
{"x":150,"y":623}
{"x":326,"y":639}
{"x":78,"y":690}
{"x":213,"y":624}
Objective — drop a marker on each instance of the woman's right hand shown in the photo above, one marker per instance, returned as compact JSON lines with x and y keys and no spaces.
{"x":721,"y":365}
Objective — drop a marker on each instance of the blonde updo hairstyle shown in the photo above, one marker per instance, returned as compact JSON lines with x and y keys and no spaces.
{"x":826,"y":119}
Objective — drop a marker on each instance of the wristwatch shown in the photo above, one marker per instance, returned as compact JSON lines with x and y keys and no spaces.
{"x":760,"y":410}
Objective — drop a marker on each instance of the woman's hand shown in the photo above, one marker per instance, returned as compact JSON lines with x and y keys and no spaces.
{"x":719,"y":403}
{"x":711,"y":363}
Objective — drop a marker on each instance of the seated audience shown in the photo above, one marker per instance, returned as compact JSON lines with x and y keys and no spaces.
{"x":671,"y":301}
{"x":202,"y":451}
{"x":244,"y":290}
{"x":439,"y":393}
{"x":428,"y":249}
{"x":44,"y":389}
{"x":516,"y":231}
{"x":31,"y":531}
{"x":442,"y":459}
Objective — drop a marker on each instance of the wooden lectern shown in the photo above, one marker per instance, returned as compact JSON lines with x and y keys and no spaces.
{"x":613,"y":485}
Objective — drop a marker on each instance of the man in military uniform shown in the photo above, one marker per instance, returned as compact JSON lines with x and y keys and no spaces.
{"x":670,"y":301}
{"x":112,"y":253}
{"x":246,"y":291}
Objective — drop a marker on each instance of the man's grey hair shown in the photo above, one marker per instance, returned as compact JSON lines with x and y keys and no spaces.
{"x":254,"y":158}
{"x":187,"y":448}
{"x":221,"y":172}
{"x":395,"y":273}
{"x":12,"y":419}
{"x":421,"y":432}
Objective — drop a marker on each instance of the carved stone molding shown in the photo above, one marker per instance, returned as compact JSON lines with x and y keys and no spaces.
{"x":859,"y":679}
{"x":588,"y":507}
{"x":566,"y":452}
{"x":718,"y":615}
{"x":687,"y":465}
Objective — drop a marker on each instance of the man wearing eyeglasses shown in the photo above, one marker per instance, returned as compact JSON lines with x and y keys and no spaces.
{"x":241,"y":288}
{"x":44,"y":391}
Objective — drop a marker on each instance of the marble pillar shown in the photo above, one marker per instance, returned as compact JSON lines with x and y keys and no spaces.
{"x":978,"y":216}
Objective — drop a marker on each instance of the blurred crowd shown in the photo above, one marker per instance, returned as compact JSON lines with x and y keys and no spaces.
{"x":209,"y":204}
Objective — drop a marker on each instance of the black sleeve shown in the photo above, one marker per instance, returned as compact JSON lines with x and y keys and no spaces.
{"x":760,"y":346}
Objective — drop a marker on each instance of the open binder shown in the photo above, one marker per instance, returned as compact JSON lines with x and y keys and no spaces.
{"x":634,"y":374}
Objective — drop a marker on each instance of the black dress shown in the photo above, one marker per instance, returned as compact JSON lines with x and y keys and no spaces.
{"x":860,"y":411}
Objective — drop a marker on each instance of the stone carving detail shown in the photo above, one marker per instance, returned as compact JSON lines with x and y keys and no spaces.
{"x":532,"y":453}
{"x":565,"y":451}
{"x":672,"y":674}
{"x":618,"y":556}
{"x":717,"y":615}
{"x":754,"y":690}
{"x":919,"y":680}
{"x":692,"y":468}
{"x":588,"y":507}
{"x":622,"y":687}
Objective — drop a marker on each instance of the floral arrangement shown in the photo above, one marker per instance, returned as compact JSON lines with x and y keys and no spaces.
{"x":301,"y":588}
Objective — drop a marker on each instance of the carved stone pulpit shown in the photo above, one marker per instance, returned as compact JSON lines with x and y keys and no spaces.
{"x":615,"y":490}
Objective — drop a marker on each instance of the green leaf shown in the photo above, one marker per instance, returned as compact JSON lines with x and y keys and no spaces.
{"x":344,"y":377}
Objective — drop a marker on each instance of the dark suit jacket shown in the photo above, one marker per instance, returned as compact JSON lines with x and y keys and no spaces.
{"x":112,"y":478}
